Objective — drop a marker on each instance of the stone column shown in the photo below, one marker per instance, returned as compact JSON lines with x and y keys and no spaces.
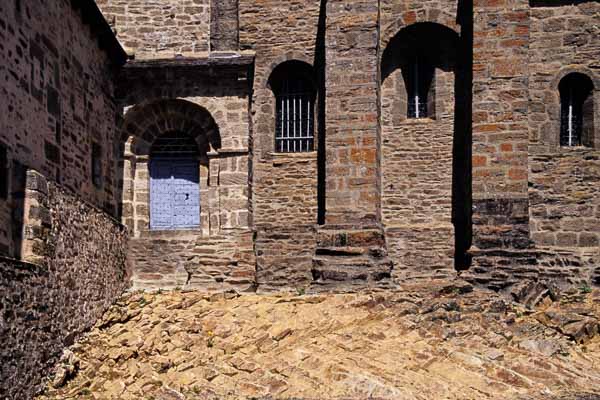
{"x":351,"y":245}
{"x":352,"y":194}
{"x":36,"y":219}
{"x":500,"y":125}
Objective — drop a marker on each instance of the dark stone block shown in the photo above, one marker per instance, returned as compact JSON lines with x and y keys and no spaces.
{"x":52,"y":152}
{"x":53,"y":98}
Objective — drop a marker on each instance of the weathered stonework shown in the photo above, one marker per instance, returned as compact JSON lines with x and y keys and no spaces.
{"x":79,"y":254}
{"x":500,"y":109}
{"x":284,"y":186}
{"x":466,"y":186}
{"x":559,"y":217}
{"x":184,"y":96}
{"x":56,"y":102}
{"x":159,"y":29}
{"x":479,"y":187}
{"x":224,"y":25}
{"x":563,"y":192}
{"x":63,"y":252}
{"x":417,"y":185}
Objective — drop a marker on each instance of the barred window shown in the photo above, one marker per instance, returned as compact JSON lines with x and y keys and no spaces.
{"x":420,"y":97}
{"x":295,"y":103}
{"x":576,"y":107}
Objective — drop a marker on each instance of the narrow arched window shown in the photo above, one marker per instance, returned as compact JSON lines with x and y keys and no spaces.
{"x":174,"y":182}
{"x":294,"y":89}
{"x":577,"y":109}
{"x":419,"y":87}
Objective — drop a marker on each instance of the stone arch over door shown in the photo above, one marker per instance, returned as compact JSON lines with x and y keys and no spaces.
{"x":143,"y":125}
{"x":417,"y":152}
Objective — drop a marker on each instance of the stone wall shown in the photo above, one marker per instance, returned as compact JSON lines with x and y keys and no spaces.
{"x":500,"y":116}
{"x":56,"y":103}
{"x":352,"y":64}
{"x":563,"y":193}
{"x":224,"y":25}
{"x":284,"y":186}
{"x":188,"y":260}
{"x":187,"y":96}
{"x":417,"y":154}
{"x":417,"y":184}
{"x":436,"y":187}
{"x":553,"y":233}
{"x":80,"y":254}
{"x":160,"y":29}
{"x":564,"y":199}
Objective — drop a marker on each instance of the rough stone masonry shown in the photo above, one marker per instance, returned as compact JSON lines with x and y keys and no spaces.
{"x":284,"y":145}
{"x":480,"y":183}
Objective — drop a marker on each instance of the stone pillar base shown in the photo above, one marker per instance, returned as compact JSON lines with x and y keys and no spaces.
{"x":350,"y":256}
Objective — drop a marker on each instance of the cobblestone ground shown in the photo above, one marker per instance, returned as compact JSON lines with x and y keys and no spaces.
{"x":440,"y":341}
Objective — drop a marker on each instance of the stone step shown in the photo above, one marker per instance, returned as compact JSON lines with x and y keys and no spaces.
{"x":350,"y":274}
{"x":360,"y":268}
{"x":329,"y":286}
{"x":348,"y":251}
{"x":329,"y":238}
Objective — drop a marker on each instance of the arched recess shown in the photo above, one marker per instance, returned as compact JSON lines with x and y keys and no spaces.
{"x":420,"y":179}
{"x":442,"y":17}
{"x":431,"y":46}
{"x":292,"y":82}
{"x":145,"y":127}
{"x":295,"y":92}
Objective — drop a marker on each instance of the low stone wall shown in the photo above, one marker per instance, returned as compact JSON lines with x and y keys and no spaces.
{"x":80,"y":270}
{"x":191,"y":260}
{"x":500,"y":269}
{"x":284,"y":257}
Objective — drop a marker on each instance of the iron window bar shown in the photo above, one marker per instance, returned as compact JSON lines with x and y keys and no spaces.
{"x":571,"y":121}
{"x":294,"y":131}
{"x":174,"y":145}
{"x":417,"y":101}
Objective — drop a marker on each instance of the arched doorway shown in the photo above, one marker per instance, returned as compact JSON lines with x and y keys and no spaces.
{"x":174,"y":182}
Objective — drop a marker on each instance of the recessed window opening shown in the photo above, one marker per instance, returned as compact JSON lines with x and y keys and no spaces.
{"x":295,"y":130}
{"x":295,"y":96}
{"x":573,"y":123}
{"x":420,"y":76}
{"x":575,"y":93}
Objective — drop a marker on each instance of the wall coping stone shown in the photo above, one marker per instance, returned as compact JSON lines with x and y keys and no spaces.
{"x":240,"y":60}
{"x":22,"y":264}
{"x":80,"y":199}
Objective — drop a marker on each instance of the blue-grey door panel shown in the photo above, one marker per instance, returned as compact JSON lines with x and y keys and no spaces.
{"x":174,"y":194}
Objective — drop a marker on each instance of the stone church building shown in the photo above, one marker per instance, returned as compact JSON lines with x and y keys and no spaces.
{"x":286,"y":145}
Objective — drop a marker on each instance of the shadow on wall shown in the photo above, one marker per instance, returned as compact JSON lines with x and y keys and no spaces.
{"x":462,"y":178}
{"x":320,"y":64}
